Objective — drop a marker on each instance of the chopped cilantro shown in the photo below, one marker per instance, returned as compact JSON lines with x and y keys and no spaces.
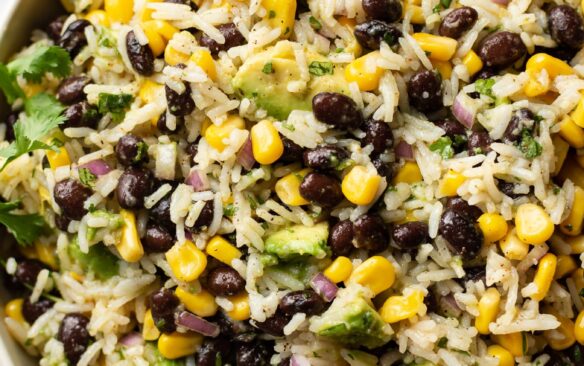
{"x":437,"y":9}
{"x":287,"y":125}
{"x":485,"y":86}
{"x":87,"y":177}
{"x":25,"y":228}
{"x":459,"y":140}
{"x":528,"y":145}
{"x":272,"y":14}
{"x":42,"y":60}
{"x":582,"y":292}
{"x":537,"y":118}
{"x":445,"y":3}
{"x":229,"y":210}
{"x":442,"y":342}
{"x":268,"y":68}
{"x":524,"y":343}
{"x":319,"y":68}
{"x":339,"y":50}
{"x":556,"y":189}
{"x":314,"y":23}
{"x":116,"y":104}
{"x":9,"y":85}
{"x":141,"y":151}
{"x":443,"y":146}
{"x":218,"y":359}
{"x":389,"y":39}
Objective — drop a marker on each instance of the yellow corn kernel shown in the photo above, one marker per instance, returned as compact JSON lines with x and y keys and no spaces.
{"x":563,"y":336}
{"x":417,"y":13}
{"x":573,"y":134}
{"x":536,"y":64}
{"x":578,"y":113}
{"x":365,"y":72}
{"x":512,"y":247}
{"x":13,"y":310}
{"x":155,"y":41}
{"x":351,"y":45}
{"x":176,"y":345}
{"x":266,"y":143}
{"x":146,"y":13}
{"x":240,"y":310}
{"x":216,"y":135}
{"x":58,"y":159}
{"x":444,"y":68}
{"x":339,"y":270}
{"x":544,"y":276}
{"x":572,"y":171}
{"x":174,"y":57}
{"x":566,"y":265}
{"x":281,"y":14}
{"x":397,"y":308}
{"x":505,"y":357}
{"x":98,"y":17}
{"x":76,"y":276}
{"x":47,"y":254}
{"x":288,"y":188}
{"x":149,"y":330}
{"x":561,"y":149}
{"x":572,"y":225}
{"x":408,"y":173}
{"x":31,"y":90}
{"x":512,"y":342}
{"x":164,"y":28}
{"x":579,"y":328}
{"x":533,"y":224}
{"x":187,"y":261}
{"x":578,"y":278}
{"x":437,"y":47}
{"x":360,"y":185}
{"x":222,"y":250}
{"x":376,"y":272}
{"x":448,"y":185}
{"x":576,"y":244}
{"x":119,"y":11}
{"x":204,"y":60}
{"x":149,"y":91}
{"x":488,"y":310}
{"x":130,"y":246}
{"x":202,"y":303}
{"x":472,"y":62}
{"x":493,"y":226}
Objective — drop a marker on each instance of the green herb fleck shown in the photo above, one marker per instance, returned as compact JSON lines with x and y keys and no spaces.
{"x":319,"y":68}
{"x":442,"y":342}
{"x":556,"y":189}
{"x":115,"y":104}
{"x":218,"y":359}
{"x":141,"y":151}
{"x":25,"y":228}
{"x":485,"y":86}
{"x":443,"y":146}
{"x":268,"y":68}
{"x":582,"y":292}
{"x":42,"y":60}
{"x":339,"y":49}
{"x":314,"y":23}
{"x":437,"y":9}
{"x":524,"y":343}
{"x":445,"y":3}
{"x":229,"y":210}
{"x":389,"y":39}
{"x":287,"y":125}
{"x":528,"y":145}
{"x":87,"y":177}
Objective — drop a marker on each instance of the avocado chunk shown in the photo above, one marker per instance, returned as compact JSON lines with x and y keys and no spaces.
{"x":98,"y":260}
{"x":264,"y":79}
{"x":299,"y":240}
{"x":352,"y":320}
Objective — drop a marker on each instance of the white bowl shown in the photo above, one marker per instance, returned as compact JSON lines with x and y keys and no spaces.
{"x":17,"y":20}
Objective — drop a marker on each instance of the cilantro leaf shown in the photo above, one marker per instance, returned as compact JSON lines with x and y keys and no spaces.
{"x":268,"y":68}
{"x":485,"y":86}
{"x":528,"y":145}
{"x":314,"y":23}
{"x":141,"y":151}
{"x":443,"y":146}
{"x":42,"y":60}
{"x":25,"y":228}
{"x":87,"y":177}
{"x":9,"y":85}
{"x":318,"y":68}
{"x":116,"y":104}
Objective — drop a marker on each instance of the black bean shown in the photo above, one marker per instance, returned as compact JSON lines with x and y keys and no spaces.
{"x":157,"y":238}
{"x":10,"y":121}
{"x":370,"y":34}
{"x":70,"y":90}
{"x":162,"y":126}
{"x":134,"y":184}
{"x":461,"y":206}
{"x":388,"y":10}
{"x":160,"y":213}
{"x":70,"y":195}
{"x":55,"y":27}
{"x":451,"y":128}
{"x":325,"y":157}
{"x":479,"y":142}
{"x":566,"y":26}
{"x":457,"y":22}
{"x":379,"y":135}
{"x":562,"y":52}
{"x":27,"y":271}
{"x":425,"y":91}
{"x":474,"y":274}
{"x":225,"y":281}
{"x":274,"y":325}
{"x":231,"y":328}
{"x":32,"y":311}
{"x":192,"y":150}
{"x":337,"y":110}
{"x":410,"y":235}
{"x":572,"y":356}
{"x":507,"y":188}
{"x":180,"y":104}
{"x":141,"y":56}
{"x":292,"y":151}
{"x":74,"y":336}
{"x":253,"y":354}
{"x":501,"y":49}
{"x":163,"y":306}
{"x":485,"y":73}
{"x":205,"y":217}
{"x":285,"y":362}
{"x":233,"y":38}
{"x":62,"y":222}
{"x":81,"y":114}
{"x":521,"y":119}
{"x":384,"y":168}
{"x":461,"y":233}
{"x":131,"y":150}
{"x":302,"y":301}
{"x":212,"y":351}
{"x":73,"y":38}
{"x":340,"y":238}
{"x":321,"y":189}
{"x":371,"y":233}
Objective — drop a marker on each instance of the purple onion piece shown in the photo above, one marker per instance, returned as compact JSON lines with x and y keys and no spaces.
{"x":198,"y":181}
{"x":299,"y":360}
{"x":462,"y":113}
{"x":245,"y":155}
{"x":197,"y":324}
{"x":97,"y":167}
{"x":132,"y":339}
{"x":324,"y":287}
{"x":404,"y":150}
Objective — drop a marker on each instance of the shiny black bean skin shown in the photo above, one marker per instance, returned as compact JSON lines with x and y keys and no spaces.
{"x":141,"y":56}
{"x":27,"y":271}
{"x":371,"y":233}
{"x":340,"y":238}
{"x":131,"y":150}
{"x":163,"y":306}
{"x":521,"y":119}
{"x":70,"y":195}
{"x":562,"y":52}
{"x":180,"y":105}
{"x":10,"y":121}
{"x":321,"y":189}
{"x":302,"y":301}
{"x":213,"y":350}
{"x":162,"y":127}
{"x":81,"y":114}
{"x":379,"y":135}
{"x":508,"y":189}
{"x":337,"y":110}
{"x":485,"y":73}
{"x":501,"y":49}
{"x":410,"y":235}
{"x":451,"y":128}
{"x":134,"y":184}
{"x":461,"y":233}
{"x":572,"y":356}
{"x":292,"y":151}
{"x":62,"y":222}
{"x":253,"y":354}
{"x":388,"y":10}
{"x":370,"y":34}
{"x":274,"y":325}
{"x":205,"y":217}
{"x":425,"y":91}
{"x":70,"y":91}
{"x":32,"y":311}
{"x":384,"y":168}
{"x":233,"y":38}
{"x":231,"y":328}
{"x":566,"y":26}
{"x":462,"y":207}
{"x":225,"y":281}
{"x":325,"y":157}
{"x":160,"y":213}
{"x":55,"y":27}
{"x":157,"y":239}
{"x":474,"y":274}
{"x":73,"y":38}
{"x":74,"y":336}
{"x":479,"y":142}
{"x":457,"y":22}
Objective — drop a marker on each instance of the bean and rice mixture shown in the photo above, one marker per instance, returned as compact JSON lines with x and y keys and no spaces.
{"x":322,"y":182}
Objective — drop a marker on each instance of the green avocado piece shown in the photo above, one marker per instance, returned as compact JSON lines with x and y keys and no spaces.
{"x":299,"y":240}
{"x":351,"y":320}
{"x":264,"y":78}
{"x":98,"y":260}
{"x":154,"y":358}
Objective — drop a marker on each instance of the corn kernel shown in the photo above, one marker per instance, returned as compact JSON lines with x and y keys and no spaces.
{"x":417,"y":13}
{"x":187,"y":261}
{"x":58,"y":159}
{"x":202,"y":303}
{"x":119,"y":11}
{"x":437,"y":47}
{"x":376,"y":272}
{"x":174,"y":57}
{"x":241,"y":309}
{"x":408,"y":173}
{"x":579,"y":328}
{"x":176,"y":345}
{"x":573,"y":171}
{"x":472,"y":62}
{"x":562,"y":337}
{"x":512,"y":342}
{"x":397,"y":308}
{"x":360,"y":185}
{"x":572,"y":225}
{"x":505,"y":357}
{"x":155,"y":41}
{"x":566,"y":265}
{"x":222,"y":250}
{"x":448,"y":185}
{"x":339,"y":270}
{"x":288,"y":188}
{"x":351,"y":44}
{"x":512,"y":247}
{"x":533,"y":224}
{"x":444,"y":68}
{"x":47,"y":254}
{"x":146,"y":13}
{"x":488,"y":310}
{"x":281,"y":14}
{"x":561,"y":149}
{"x":130,"y":246}
{"x":576,"y":244}
{"x":13,"y":309}
{"x":266,"y":143}
{"x":149,"y":330}
{"x":365,"y":72}
{"x":493,"y":226}
{"x":216,"y":135}
{"x":573,"y":134}
{"x":544,"y":276}
{"x":98,"y":17}
{"x":204,"y":60}
{"x":536,"y":64}
{"x":577,"y":114}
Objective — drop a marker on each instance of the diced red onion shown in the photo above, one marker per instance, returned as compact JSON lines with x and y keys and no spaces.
{"x":245,"y":155}
{"x":324,"y":287}
{"x":132,"y":339}
{"x":197,"y":324}
{"x":299,"y":360}
{"x":198,"y":181}
{"x":462,"y":112}
{"x":502,"y":2}
{"x":97,"y":167}
{"x":404,"y":150}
